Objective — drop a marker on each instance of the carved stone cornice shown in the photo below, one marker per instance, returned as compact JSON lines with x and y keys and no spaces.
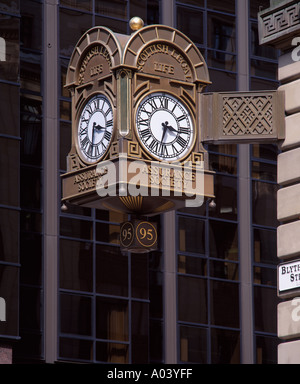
{"x":280,"y":23}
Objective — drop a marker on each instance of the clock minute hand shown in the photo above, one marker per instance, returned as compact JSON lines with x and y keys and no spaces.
{"x":97,"y":127}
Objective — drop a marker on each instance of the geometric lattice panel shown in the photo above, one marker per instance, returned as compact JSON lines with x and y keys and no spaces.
{"x":247,"y":115}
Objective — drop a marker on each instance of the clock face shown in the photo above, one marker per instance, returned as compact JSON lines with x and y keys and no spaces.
{"x":95,"y":128}
{"x":165,"y":127}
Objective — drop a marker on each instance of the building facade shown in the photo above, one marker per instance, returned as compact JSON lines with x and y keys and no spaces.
{"x":209,"y":294}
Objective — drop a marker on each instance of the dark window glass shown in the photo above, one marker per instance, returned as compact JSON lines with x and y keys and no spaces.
{"x":31,"y":24}
{"x":116,"y":26}
{"x":63,"y":77}
{"x":86,"y":5}
{"x":81,"y":229}
{"x":257,"y":49}
{"x":118,"y":8}
{"x":30,"y":308}
{"x":225,"y":347}
{"x":257,"y":5}
{"x":112,"y":319}
{"x":262,"y":84}
{"x":9,"y":236}
{"x":10,"y":6}
{"x":153,"y":12}
{"x":9,"y":109}
{"x":73,"y":209}
{"x":65,"y":110}
{"x":264,"y":171}
{"x":75,"y":349}
{"x":264,"y":69}
{"x":139,"y":276}
{"x":65,"y":143}
{"x":107,"y":233}
{"x":192,"y":265}
{"x":224,"y":164}
{"x":9,"y":48}
{"x":265,"y":276}
{"x":191,"y":235}
{"x":264,"y":203}
{"x":75,"y":315}
{"x":138,"y":8}
{"x":221,"y":32}
{"x":73,"y":25}
{"x":224,"y":270}
{"x":190,"y":22}
{"x":156,"y":341}
{"x":76,"y":265}
{"x":265,"y":151}
{"x":221,"y":60}
{"x":221,"y":81}
{"x":111,"y":271}
{"x":265,"y":246}
{"x":140,"y":332}
{"x":112,"y":353}
{"x":156,"y":294}
{"x":192,"y":299}
{"x":223,"y":240}
{"x":265,"y":305}
{"x":31,"y":346}
{"x":31,"y":72}
{"x":9,"y":171}
{"x":198,"y":3}
{"x":225,"y":5}
{"x":31,"y":258}
{"x":224,"y":299}
{"x":266,"y":349}
{"x":31,"y":130}
{"x":193,"y":345}
{"x":9,"y":288}
{"x":30,"y":188}
{"x":226,"y":198}
{"x":31,"y":221}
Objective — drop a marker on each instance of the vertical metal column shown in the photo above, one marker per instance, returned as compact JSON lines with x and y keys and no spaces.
{"x":244,"y":203}
{"x":51,"y":190}
{"x":169,"y":228}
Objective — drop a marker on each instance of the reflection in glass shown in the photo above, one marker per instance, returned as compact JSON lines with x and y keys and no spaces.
{"x":226,"y":198}
{"x":223,"y":240}
{"x":192,"y":265}
{"x":190,"y":22}
{"x":9,"y":171}
{"x":76,"y":265}
{"x":75,"y":315}
{"x":30,"y":72}
{"x":192,"y":299}
{"x":117,"y":8}
{"x":9,"y":109}
{"x":112,"y":319}
{"x":225,"y":347}
{"x":266,"y":349}
{"x":264,"y":203}
{"x":111,"y":271}
{"x":112,"y":353}
{"x":9,"y":43}
{"x":9,"y":235}
{"x":221,"y":34}
{"x":191,"y":235}
{"x":193,"y":345}
{"x":81,"y":229}
{"x":107,"y":233}
{"x":140,"y":332}
{"x":75,"y":349}
{"x":265,"y":309}
{"x":264,"y":171}
{"x":78,"y":4}
{"x":265,"y":246}
{"x":31,"y":24}
{"x":224,"y":300}
{"x":224,"y":270}
{"x":9,"y":288}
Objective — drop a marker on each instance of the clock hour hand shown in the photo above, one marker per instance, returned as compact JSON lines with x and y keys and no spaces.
{"x":169,"y":127}
{"x":97,"y":127}
{"x":164,"y":131}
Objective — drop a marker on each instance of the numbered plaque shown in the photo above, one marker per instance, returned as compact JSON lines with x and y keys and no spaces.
{"x":138,"y":236}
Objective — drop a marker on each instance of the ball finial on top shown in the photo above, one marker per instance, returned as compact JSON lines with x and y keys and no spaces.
{"x":136,"y":23}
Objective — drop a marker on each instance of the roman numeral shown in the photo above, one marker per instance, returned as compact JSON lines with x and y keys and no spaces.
{"x":109,"y":123}
{"x":84,"y":142}
{"x":184,"y":130}
{"x":153,"y":104}
{"x":146,"y":134}
{"x":154,"y":145}
{"x":144,"y":122}
{"x":180,"y":118}
{"x":163,"y":150}
{"x":164,"y":102}
{"x":181,"y":142}
{"x":107,"y":135}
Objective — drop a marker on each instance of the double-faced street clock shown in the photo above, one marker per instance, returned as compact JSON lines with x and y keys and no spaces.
{"x":165,"y":126}
{"x":136,"y":134}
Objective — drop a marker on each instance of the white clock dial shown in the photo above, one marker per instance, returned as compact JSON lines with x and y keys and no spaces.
{"x":165,"y":127}
{"x":95,"y":128}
